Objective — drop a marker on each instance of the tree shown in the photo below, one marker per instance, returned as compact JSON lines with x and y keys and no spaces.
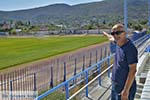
{"x":19,"y":23}
{"x":138,"y":27}
{"x":104,"y":22}
{"x":143,"y":22}
{"x":13,"y":31}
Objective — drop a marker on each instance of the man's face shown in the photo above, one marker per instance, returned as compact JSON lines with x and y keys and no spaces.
{"x":120,"y":36}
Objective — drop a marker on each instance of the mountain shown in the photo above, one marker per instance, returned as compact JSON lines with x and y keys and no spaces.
{"x":109,"y":10}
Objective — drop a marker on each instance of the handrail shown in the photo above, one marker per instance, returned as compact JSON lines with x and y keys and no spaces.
{"x":66,"y":83}
{"x":140,"y":39}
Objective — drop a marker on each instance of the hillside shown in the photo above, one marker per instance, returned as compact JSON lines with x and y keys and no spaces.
{"x":109,"y":10}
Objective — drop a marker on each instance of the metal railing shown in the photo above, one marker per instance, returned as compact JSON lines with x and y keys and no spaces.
{"x":66,"y":84}
{"x":137,"y":43}
{"x":85,"y":72}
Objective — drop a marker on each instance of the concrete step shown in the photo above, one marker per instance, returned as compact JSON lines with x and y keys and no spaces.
{"x":106,"y":96}
{"x":139,"y":90}
{"x":140,"y":85}
{"x":147,"y":69}
{"x":100,"y":93}
{"x":96,"y":90}
{"x":147,"y":65}
{"x":138,"y":95}
{"x":137,"y":99}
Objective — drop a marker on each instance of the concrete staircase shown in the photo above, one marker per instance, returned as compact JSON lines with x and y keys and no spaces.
{"x":139,"y":91}
{"x":141,"y":80}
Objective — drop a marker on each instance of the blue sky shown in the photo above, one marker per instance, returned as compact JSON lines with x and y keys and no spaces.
{"x":9,"y":5}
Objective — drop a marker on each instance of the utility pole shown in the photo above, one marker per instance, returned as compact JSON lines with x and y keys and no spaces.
{"x":126,"y":15}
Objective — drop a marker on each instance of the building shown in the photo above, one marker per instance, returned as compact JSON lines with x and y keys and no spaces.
{"x":6,"y":26}
{"x":4,"y":33}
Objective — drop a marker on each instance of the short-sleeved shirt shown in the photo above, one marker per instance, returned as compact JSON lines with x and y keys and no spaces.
{"x":124,"y":56}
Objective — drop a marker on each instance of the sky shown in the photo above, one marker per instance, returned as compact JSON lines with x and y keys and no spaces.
{"x":10,"y":5}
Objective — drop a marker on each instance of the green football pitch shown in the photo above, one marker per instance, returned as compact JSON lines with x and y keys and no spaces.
{"x":15,"y":51}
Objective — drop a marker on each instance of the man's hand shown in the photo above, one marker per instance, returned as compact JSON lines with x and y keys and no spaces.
{"x":124,"y":95}
{"x":110,"y":37}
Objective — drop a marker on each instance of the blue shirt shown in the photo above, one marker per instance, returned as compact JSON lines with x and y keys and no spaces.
{"x":124,"y":56}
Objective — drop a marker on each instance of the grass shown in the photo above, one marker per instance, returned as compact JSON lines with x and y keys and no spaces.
{"x":56,"y":96}
{"x":15,"y":51}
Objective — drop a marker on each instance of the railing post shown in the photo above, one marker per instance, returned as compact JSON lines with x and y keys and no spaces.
{"x":83,"y":63}
{"x":86,"y":75}
{"x":108,"y":62}
{"x":101,"y":54}
{"x":58,"y":74}
{"x":67,"y":90}
{"x":11,"y":88}
{"x":75,"y":69}
{"x":105,"y":51}
{"x":64,"y":71}
{"x":34,"y":81}
{"x":51,"y":83}
{"x":99,"y":70}
{"x":96,"y":56}
{"x":90,"y":59}
{"x":83,"y":66}
{"x":1,"y":83}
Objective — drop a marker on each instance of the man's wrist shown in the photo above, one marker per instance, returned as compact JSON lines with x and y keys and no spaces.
{"x":126,"y":90}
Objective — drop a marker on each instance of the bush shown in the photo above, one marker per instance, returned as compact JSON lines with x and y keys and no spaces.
{"x":13,"y":32}
{"x":138,"y":27}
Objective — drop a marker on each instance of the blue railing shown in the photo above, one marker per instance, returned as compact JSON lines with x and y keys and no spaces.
{"x":138,"y":43}
{"x":147,"y":49}
{"x":85,"y":73}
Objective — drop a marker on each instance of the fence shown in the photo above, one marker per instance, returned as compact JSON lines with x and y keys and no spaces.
{"x":43,"y":75}
{"x":86,"y":74}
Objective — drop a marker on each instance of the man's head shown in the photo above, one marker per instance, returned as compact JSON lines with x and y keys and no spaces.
{"x":118,"y":32}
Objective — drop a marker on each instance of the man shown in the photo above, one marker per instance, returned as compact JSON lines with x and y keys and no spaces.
{"x":124,"y":68}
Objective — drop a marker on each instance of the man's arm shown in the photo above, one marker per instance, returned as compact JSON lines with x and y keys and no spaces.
{"x":112,"y":42}
{"x":110,"y":37}
{"x":129,"y":82}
